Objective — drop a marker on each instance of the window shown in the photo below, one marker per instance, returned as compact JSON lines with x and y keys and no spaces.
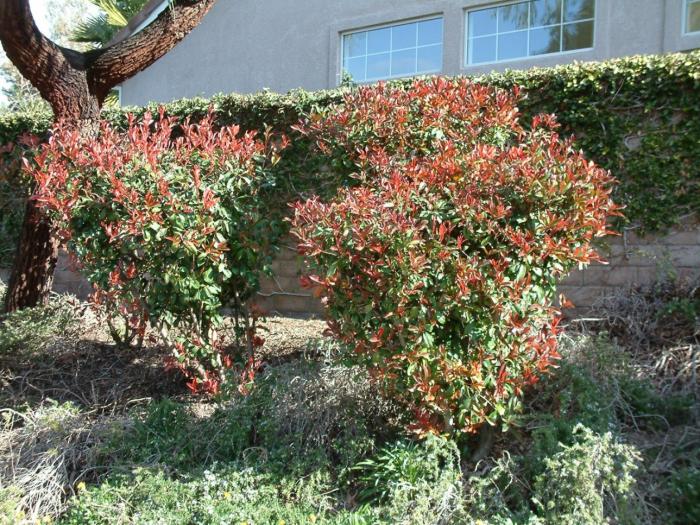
{"x":394,"y":51}
{"x":528,"y":29}
{"x":692,"y":16}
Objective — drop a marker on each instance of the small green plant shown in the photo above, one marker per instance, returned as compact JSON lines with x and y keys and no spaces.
{"x":405,"y":464}
{"x":31,"y":330}
{"x":683,"y":504}
{"x":582,"y":480}
{"x":217,"y":495}
{"x":11,"y":511}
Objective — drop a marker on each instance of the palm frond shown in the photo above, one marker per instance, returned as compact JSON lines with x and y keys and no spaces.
{"x":115,"y":14}
{"x":94,"y":30}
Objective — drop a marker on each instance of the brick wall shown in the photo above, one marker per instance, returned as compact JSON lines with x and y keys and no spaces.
{"x":637,"y":260}
{"x":631,"y":259}
{"x":282,"y":293}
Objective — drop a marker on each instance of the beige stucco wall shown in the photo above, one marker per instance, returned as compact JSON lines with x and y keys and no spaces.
{"x":247,"y":45}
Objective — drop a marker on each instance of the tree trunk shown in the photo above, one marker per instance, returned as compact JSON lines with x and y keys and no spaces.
{"x":32,"y":273}
{"x":37,"y":252}
{"x":75,"y":85}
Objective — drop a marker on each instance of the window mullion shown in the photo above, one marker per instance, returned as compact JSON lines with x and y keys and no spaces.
{"x":415,"y":53}
{"x":529,"y":25}
{"x":498,"y":30}
{"x":561,"y":26}
{"x":391,"y":52}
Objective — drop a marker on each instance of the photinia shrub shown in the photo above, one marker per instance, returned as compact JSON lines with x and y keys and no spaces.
{"x":169,"y":224}
{"x":438,"y":263}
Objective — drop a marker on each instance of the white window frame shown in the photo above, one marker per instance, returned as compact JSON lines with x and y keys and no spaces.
{"x":561,"y":24}
{"x":686,"y":12}
{"x":388,"y":25}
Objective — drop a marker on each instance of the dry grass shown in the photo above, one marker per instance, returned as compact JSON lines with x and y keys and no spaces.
{"x":92,"y":374}
{"x":64,"y":394}
{"x":65,"y":399}
{"x":315,"y":403}
{"x":287,"y":337}
{"x":659,"y":327}
{"x":45,"y":453}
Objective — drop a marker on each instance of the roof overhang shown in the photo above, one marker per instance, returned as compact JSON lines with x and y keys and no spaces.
{"x":147,"y":15}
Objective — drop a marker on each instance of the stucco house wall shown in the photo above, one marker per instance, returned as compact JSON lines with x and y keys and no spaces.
{"x":247,"y":45}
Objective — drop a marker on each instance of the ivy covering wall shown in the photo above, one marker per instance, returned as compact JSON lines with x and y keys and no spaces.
{"x":638,"y":117}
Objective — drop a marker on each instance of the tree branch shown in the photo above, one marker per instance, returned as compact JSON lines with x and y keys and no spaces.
{"x":124,"y":59}
{"x":45,"y":64}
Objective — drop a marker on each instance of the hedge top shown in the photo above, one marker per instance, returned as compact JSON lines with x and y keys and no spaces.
{"x":639,"y":117}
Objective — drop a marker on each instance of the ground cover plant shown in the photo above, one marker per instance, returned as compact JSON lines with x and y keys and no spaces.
{"x":438,"y":265}
{"x":168,"y":223}
{"x":313,"y":442}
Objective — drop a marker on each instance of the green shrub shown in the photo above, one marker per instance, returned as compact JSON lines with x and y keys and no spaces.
{"x":168,"y":230}
{"x":439,"y":270}
{"x":588,"y":482}
{"x":582,"y":481}
{"x":636,"y":116}
{"x":405,"y":463}
{"x":683,"y":505}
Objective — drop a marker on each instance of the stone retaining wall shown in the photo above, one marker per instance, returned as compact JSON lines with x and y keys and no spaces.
{"x":631,"y":260}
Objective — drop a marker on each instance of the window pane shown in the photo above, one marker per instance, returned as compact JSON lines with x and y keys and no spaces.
{"x":532,"y":28}
{"x":578,"y":10}
{"x":430,"y":32}
{"x":379,"y":41}
{"x":482,"y":22}
{"x":394,"y":51}
{"x":578,"y":36}
{"x":378,"y":66}
{"x":482,"y":50}
{"x":512,"y":45}
{"x":545,"y":40}
{"x":403,"y":62}
{"x":545,"y":12}
{"x":355,"y":45}
{"x":355,"y":67}
{"x":512,"y":17}
{"x":693,"y":17}
{"x":430,"y":58}
{"x":403,"y":36}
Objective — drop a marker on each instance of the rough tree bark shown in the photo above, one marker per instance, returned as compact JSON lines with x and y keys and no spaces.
{"x":75,"y":84}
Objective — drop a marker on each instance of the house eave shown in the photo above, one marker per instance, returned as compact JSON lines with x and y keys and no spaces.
{"x":149,"y":13}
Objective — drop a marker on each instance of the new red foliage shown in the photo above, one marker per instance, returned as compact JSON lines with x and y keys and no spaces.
{"x":438,"y":264}
{"x":168,"y":230}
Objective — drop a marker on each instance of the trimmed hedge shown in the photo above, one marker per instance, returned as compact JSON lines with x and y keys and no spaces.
{"x":638,"y":117}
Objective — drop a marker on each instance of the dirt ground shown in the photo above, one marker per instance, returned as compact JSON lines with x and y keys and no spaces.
{"x":91,"y":371}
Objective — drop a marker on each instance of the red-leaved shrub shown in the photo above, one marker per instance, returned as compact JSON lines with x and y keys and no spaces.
{"x":168,"y":230}
{"x":439,"y":265}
